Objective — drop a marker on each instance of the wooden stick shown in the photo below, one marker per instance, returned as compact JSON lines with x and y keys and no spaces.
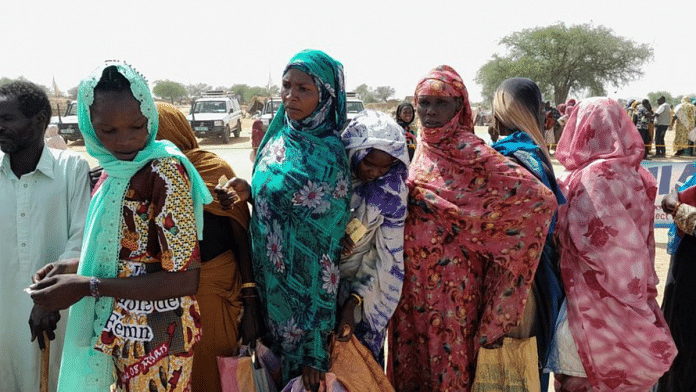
{"x":45,"y":353}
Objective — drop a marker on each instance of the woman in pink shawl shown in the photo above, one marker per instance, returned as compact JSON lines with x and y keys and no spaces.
{"x":605,"y":234}
{"x":474,"y":233}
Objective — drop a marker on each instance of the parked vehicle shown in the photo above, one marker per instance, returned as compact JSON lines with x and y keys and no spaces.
{"x":216,"y":113}
{"x":354,"y":105}
{"x":269,"y":110}
{"x":67,"y":122}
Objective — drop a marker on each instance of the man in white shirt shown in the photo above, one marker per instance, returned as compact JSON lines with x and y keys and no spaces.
{"x":663,"y":116}
{"x":44,"y":196}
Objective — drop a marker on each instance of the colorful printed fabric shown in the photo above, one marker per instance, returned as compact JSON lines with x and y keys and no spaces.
{"x":475,"y":230}
{"x":375,"y":268}
{"x":171,"y":373}
{"x":300,"y":187}
{"x":605,"y":234}
{"x":684,"y":123}
{"x":82,"y":367}
{"x":158,"y":233}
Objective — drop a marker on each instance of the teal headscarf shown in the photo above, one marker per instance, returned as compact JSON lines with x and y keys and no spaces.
{"x":82,"y":367}
{"x":330,"y":113}
{"x":300,"y":187}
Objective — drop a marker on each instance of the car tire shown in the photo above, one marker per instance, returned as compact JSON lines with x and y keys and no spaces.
{"x":226,"y":135}
{"x":238,"y":128}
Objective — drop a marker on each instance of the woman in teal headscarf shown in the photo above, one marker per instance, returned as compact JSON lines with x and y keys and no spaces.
{"x":300,"y":190}
{"x":132,"y":291}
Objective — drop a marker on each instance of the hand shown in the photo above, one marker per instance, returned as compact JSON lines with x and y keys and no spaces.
{"x":41,"y":320}
{"x":234,"y":190}
{"x":60,"y":291}
{"x":346,"y":246}
{"x":312,"y":379}
{"x":250,"y":321}
{"x":670,"y":201}
{"x":59,"y":267}
{"x":346,"y":324}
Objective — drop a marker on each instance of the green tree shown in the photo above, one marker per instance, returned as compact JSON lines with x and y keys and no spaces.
{"x":365,"y":93}
{"x":195,"y":90}
{"x":168,"y":89}
{"x":563,"y":59}
{"x":653,"y":96}
{"x":72,"y":93}
{"x":382,"y":93}
{"x":241,"y":91}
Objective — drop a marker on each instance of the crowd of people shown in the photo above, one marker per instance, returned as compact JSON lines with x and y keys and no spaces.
{"x":652,"y":125}
{"x":427,"y":241}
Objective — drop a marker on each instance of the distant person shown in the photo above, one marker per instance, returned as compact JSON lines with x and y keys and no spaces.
{"x":134,"y":319}
{"x":645,"y":119}
{"x":45,"y":195}
{"x":611,"y":335}
{"x":662,"y":122}
{"x":53,"y":138}
{"x":405,"y":114}
{"x":257,"y":134}
{"x":682,"y":123}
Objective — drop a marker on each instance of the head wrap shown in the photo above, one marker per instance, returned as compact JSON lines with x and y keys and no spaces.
{"x":590,"y":139}
{"x":83,"y":368}
{"x":571,"y":102}
{"x":605,"y":234}
{"x":378,"y":257}
{"x":445,"y":81}
{"x":330,"y":112}
{"x":174,"y":127}
{"x":401,"y":107}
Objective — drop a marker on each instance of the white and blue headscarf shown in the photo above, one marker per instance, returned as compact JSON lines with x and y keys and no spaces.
{"x":376,"y":266}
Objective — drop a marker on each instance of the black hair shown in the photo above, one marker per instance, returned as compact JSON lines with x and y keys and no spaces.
{"x":113,"y":81}
{"x":32,"y":99}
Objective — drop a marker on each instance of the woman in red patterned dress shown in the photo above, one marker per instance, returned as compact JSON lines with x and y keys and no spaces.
{"x":473,"y":238}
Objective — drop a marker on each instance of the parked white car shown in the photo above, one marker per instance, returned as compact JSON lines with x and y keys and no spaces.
{"x":216,"y":114}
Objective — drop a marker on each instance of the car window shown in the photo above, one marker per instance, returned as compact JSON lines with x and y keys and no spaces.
{"x":210,"y":107}
{"x":354,"y":107}
{"x":72,"y":110}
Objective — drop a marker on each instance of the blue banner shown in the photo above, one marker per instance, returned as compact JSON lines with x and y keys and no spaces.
{"x":667,"y":175}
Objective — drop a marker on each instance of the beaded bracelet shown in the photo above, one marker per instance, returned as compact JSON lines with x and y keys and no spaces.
{"x":94,"y":287}
{"x":249,"y":285}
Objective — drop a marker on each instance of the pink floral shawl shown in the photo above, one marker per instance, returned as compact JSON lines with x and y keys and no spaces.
{"x":473,"y":238}
{"x":605,"y":232}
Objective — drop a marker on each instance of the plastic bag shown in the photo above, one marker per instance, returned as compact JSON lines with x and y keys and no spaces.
{"x":254,"y":370}
{"x":513,"y":366}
